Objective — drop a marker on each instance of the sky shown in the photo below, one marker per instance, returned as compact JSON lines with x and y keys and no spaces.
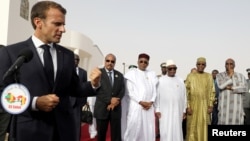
{"x":181,"y":30}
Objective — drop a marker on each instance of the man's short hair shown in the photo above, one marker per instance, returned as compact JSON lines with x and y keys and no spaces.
{"x":163,"y":64}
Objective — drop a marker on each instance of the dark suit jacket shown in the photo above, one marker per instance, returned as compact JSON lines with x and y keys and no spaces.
{"x":106,"y":92}
{"x":38,"y":125}
{"x":79,"y":102}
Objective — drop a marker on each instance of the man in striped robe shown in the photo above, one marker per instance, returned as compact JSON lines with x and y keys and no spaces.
{"x":232,"y":85}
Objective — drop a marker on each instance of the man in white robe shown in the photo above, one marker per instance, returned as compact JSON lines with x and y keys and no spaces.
{"x":171,"y":104}
{"x":141,"y":94}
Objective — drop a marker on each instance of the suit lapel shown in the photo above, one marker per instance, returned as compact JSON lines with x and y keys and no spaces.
{"x":115,"y":79}
{"x":80,"y":74}
{"x":36,"y":59}
{"x":59,"y":54}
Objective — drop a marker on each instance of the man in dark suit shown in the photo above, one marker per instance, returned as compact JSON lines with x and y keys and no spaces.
{"x":215,"y":111}
{"x":78,"y":102}
{"x":108,"y":101}
{"x":49,"y":116}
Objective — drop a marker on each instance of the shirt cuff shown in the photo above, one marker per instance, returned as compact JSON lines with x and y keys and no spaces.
{"x":96,"y":87}
{"x":34,"y":104}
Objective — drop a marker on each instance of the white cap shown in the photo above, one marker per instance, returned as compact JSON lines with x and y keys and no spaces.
{"x":169,"y":63}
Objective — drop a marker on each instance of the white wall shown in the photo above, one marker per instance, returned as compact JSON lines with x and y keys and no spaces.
{"x":14,"y":28}
{"x":4,"y":6}
{"x":90,"y":55}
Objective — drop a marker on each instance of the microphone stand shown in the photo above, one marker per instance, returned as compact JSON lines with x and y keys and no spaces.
{"x":13,"y":121}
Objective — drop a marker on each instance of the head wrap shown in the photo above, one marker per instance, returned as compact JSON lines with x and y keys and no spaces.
{"x":170,"y":62}
{"x":201,"y":59}
{"x":143,"y":55}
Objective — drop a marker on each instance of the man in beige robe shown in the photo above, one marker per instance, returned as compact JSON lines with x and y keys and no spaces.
{"x":200,"y":98}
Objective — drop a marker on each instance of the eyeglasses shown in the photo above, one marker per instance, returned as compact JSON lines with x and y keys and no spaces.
{"x":173,"y":68}
{"x":112,"y":61}
{"x":229,"y":63}
{"x":201,"y":64}
{"x":145,"y":62}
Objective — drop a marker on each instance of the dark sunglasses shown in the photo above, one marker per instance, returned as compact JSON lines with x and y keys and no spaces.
{"x":112,"y":61}
{"x":201,"y":64}
{"x":172,"y":68}
{"x":145,"y":62}
{"x":229,"y":63}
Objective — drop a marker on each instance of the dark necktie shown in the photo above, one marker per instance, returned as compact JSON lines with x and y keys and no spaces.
{"x":48,"y":65}
{"x":110,"y":77}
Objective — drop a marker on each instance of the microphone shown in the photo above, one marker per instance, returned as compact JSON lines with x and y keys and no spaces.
{"x":24,"y":56}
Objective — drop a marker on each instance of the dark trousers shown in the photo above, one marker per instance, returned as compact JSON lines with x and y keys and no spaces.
{"x":184,"y":128}
{"x":247,"y":116}
{"x":157,"y":125}
{"x":115,"y":129}
{"x":215,"y":115}
{"x":77,"y":118}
